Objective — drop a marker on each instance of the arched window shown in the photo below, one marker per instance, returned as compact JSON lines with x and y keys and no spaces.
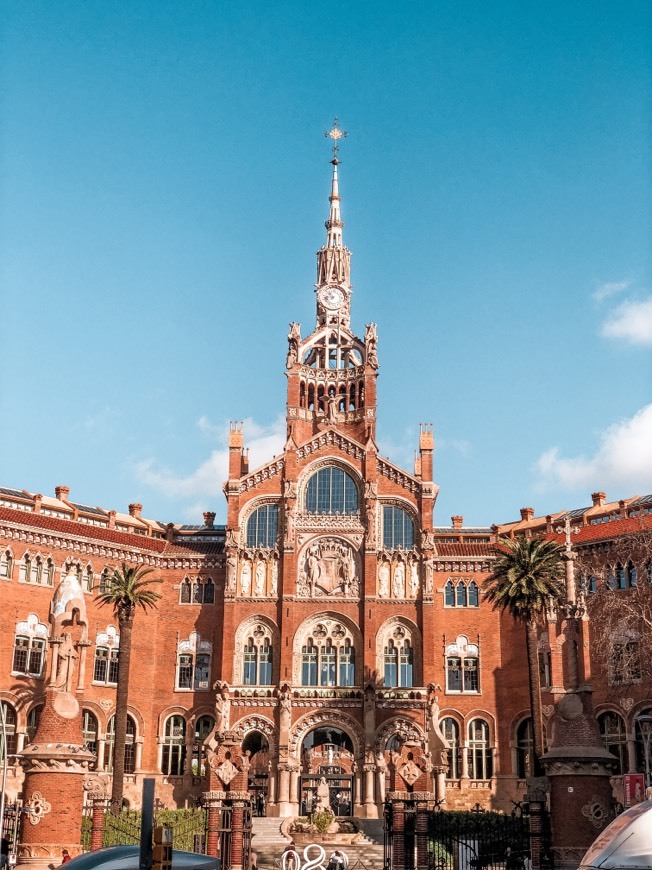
{"x":88,"y":579}
{"x":257,"y":657}
{"x":474,"y":594}
{"x":398,"y":528}
{"x":545,"y":661}
{"x":262,"y":527}
{"x":524,"y":749}
{"x":10,"y":729}
{"x":203,"y":727}
{"x":614,"y":734}
{"x":47,"y":577}
{"x":173,"y":754}
{"x":209,"y":591}
{"x":451,"y":731}
{"x":641,"y":766}
{"x":460,"y":594}
{"x":197,"y":590}
{"x":328,"y":657}
{"x":632,"y":578}
{"x":33,"y":718}
{"x":462,"y":666}
{"x":399,"y":663}
{"x":479,"y":751}
{"x":130,"y":747}
{"x":25,"y":574}
{"x":624,"y":657}
{"x":194,"y":663}
{"x":105,"y":581}
{"x":449,"y":594}
{"x":331,"y":491}
{"x":6,"y":565}
{"x":90,"y":731}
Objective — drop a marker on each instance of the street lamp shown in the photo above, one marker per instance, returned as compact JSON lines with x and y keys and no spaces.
{"x":645,"y":724}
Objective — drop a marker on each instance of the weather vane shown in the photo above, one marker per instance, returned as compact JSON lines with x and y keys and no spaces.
{"x":336,"y":134}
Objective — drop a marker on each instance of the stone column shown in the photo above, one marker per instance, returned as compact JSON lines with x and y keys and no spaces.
{"x":283,"y":790}
{"x":294,"y":788}
{"x":371,"y":810}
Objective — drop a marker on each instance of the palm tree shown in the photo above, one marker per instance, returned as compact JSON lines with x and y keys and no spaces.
{"x":127,"y":590}
{"x":527,"y":576}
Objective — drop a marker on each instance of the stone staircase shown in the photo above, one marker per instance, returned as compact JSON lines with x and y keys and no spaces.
{"x":267,"y":841}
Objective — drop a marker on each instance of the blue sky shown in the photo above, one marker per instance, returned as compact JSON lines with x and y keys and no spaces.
{"x":164,"y":182}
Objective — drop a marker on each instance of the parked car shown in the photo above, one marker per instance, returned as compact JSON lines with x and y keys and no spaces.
{"x":626,"y":843}
{"x":127,"y":858}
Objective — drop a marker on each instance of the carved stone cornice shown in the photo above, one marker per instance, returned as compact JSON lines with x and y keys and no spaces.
{"x":272,"y":469}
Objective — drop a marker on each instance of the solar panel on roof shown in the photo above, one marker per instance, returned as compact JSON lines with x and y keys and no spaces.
{"x":87,"y":509}
{"x":643,"y":500}
{"x":17,"y":493}
{"x":578,"y":512}
{"x":190,"y":528}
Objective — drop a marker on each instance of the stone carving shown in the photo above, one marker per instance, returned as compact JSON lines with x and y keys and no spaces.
{"x":38,"y":807}
{"x":329,"y":567}
{"x":596,"y":812}
{"x":294,"y":338}
{"x":245,"y":577}
{"x":427,"y":540}
{"x":383,"y":580}
{"x":627,"y":704}
{"x":273,"y":585}
{"x":290,"y":490}
{"x":370,"y":490}
{"x":430,"y":582}
{"x":222,"y":707}
{"x":285,"y":707}
{"x":65,"y":663}
{"x":410,"y":772}
{"x":371,"y":344}
{"x":231,"y":538}
{"x":398,"y":583}
{"x":259,"y":588}
{"x":323,"y":801}
{"x":231,"y":568}
{"x":414,"y":579}
{"x":227,"y":771}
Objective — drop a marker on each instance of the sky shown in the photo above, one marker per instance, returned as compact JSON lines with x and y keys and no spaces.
{"x":164,"y":181}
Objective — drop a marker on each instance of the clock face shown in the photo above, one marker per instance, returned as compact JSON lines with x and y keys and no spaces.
{"x":331,"y":297}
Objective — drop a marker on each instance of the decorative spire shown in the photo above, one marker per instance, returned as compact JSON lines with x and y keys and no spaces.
{"x":334,"y":260}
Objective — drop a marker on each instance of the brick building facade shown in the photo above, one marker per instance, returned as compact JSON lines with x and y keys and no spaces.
{"x":327,"y":620}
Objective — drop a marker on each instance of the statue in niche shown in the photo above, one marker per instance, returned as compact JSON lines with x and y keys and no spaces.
{"x":370,"y":490}
{"x":288,"y":538}
{"x":260,"y":578}
{"x":245,"y":577}
{"x":369,"y":713}
{"x":273,"y":590}
{"x":348,"y":572}
{"x":430,"y":582}
{"x":231,"y":538}
{"x":383,"y":580}
{"x":290,"y":490}
{"x":66,"y":663}
{"x":285,"y":708}
{"x":398,"y":585}
{"x":294,"y":338}
{"x":323,"y":796}
{"x":414,"y":579}
{"x":231,"y":566}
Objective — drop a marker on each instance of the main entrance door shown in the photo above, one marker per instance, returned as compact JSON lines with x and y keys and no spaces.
{"x":327,"y":772}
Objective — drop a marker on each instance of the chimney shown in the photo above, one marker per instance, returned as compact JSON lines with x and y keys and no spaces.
{"x":135,"y":510}
{"x":458,"y":522}
{"x":112,"y":516}
{"x":38,"y":498}
{"x":599,"y":499}
{"x":62,"y":492}
{"x":209,"y":519}
{"x":527,"y":514}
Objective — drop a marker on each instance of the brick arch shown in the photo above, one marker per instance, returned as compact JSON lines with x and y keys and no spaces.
{"x":488,"y":718}
{"x":397,"y":725}
{"x":319,"y":718}
{"x":98,"y":712}
{"x":307,"y":626}
{"x":135,"y":714}
{"x":324,"y":462}
{"x":250,"y":723}
{"x":241,"y":632}
{"x":172,"y":710}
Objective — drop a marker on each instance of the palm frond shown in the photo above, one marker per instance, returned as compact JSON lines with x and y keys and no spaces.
{"x":128,"y":588}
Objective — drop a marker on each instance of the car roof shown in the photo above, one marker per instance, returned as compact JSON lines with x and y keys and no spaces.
{"x":127,"y":858}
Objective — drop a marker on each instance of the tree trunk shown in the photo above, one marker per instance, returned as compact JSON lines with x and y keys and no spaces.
{"x":126,"y":623}
{"x":534,"y":680}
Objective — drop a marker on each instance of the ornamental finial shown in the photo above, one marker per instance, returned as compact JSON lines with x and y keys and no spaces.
{"x":336,"y":134}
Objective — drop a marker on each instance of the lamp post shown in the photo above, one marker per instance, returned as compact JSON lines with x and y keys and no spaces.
{"x":645,"y":724}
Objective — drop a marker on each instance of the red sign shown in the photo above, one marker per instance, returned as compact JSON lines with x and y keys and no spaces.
{"x":634,"y":788}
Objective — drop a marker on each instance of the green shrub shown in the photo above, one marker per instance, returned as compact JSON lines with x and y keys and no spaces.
{"x":322,"y":821}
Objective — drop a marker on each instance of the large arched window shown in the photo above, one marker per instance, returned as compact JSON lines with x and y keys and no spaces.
{"x":130,"y":747}
{"x":331,"y":491}
{"x":480,"y":759}
{"x":451,"y":731}
{"x":328,"y":656}
{"x":262,"y":527}
{"x":90,"y":731}
{"x":10,"y":730}
{"x":524,"y":749}
{"x":203,"y":727}
{"x":173,"y":754}
{"x":399,"y":663}
{"x":194,"y":663}
{"x":398,"y":528}
{"x":614,"y":734}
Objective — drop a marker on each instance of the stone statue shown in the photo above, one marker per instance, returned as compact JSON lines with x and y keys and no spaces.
{"x":231,"y":538}
{"x":222,"y":707}
{"x":414,"y":579}
{"x":294,"y":337}
{"x":260,"y":578}
{"x":290,"y":490}
{"x":371,"y":342}
{"x":231,"y":566}
{"x":432,"y":708}
{"x":369,"y":713}
{"x":383,"y":580}
{"x":323,"y":796}
{"x":285,"y":709}
{"x":289,"y":527}
{"x":245,"y":577}
{"x":348,"y":571}
{"x":398,"y":585}
{"x":429,"y":578}
{"x":66,"y":663}
{"x":314,"y":568}
{"x":273,"y":586}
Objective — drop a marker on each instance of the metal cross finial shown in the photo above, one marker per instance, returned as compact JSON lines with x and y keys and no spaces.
{"x":336,"y":134}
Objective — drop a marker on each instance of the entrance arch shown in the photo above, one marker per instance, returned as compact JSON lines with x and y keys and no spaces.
{"x":257,"y":745}
{"x":327,"y":771}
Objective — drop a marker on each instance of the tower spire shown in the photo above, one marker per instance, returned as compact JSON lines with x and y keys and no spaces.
{"x":334,"y":259}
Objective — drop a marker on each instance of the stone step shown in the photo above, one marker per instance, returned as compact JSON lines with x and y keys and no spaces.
{"x":359,"y":855}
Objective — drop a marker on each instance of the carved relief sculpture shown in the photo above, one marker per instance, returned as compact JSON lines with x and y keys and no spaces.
{"x":273,"y":585}
{"x":383,"y":580}
{"x":245,"y":577}
{"x":231,"y":569}
{"x":398,"y":584}
{"x":259,"y":588}
{"x":329,"y":567}
{"x":222,"y":707}
{"x":414,"y":579}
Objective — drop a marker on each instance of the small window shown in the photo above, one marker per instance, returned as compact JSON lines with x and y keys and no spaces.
{"x":479,"y":751}
{"x":398,"y":528}
{"x":10,"y":730}
{"x":449,"y":594}
{"x":29,"y":656}
{"x":524,"y":749}
{"x":614,"y":735}
{"x":460,"y":595}
{"x":90,"y":732}
{"x":130,"y":747}
{"x":105,"y":666}
{"x":174,"y":747}
{"x":33,"y":719}
{"x":6,"y":565}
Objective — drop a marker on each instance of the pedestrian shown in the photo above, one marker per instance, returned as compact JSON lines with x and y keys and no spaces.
{"x":65,"y":857}
{"x":337,"y":861}
{"x":290,"y":858}
{"x":4,"y":853}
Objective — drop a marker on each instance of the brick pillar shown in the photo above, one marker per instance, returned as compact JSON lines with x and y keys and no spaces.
{"x":213,"y":804}
{"x":398,"y":834}
{"x":97,"y":823}
{"x":536,"y":832}
{"x":237,"y":830}
{"x":422,"y":834}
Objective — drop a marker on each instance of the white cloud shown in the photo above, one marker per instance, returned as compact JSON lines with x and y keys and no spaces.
{"x":207,"y":479}
{"x":604,"y":291}
{"x":631,"y":321}
{"x":623,"y":460}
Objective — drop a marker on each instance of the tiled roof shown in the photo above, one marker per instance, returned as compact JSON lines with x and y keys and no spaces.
{"x":467,"y":551}
{"x":109,"y":536}
{"x":194,"y":548}
{"x":607,"y":531}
